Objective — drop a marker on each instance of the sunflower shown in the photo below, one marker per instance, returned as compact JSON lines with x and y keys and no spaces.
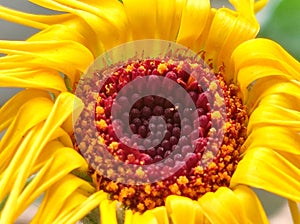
{"x":42,"y":153}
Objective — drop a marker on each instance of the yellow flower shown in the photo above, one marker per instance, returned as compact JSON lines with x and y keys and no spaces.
{"x":37,"y":150}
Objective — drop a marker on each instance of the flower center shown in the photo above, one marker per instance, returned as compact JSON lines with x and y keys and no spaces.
{"x":157,"y":130}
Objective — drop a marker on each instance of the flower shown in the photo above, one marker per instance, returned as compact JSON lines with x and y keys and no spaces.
{"x":37,"y":150}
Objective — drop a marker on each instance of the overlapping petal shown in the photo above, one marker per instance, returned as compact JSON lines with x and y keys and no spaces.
{"x":30,"y":141}
{"x":239,"y":205}
{"x":272,"y":171}
{"x":59,"y":55}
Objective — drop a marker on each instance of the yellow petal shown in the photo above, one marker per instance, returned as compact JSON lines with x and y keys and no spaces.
{"x":61,"y":110}
{"x":194,"y":14}
{"x":295,"y":211}
{"x":63,"y":137}
{"x":28,"y":19}
{"x":227,"y":206}
{"x":82,"y":210}
{"x":268,"y":59}
{"x":57,"y":196}
{"x":128,"y":216}
{"x":160,"y":214}
{"x":227,"y":31}
{"x":107,"y":22}
{"x":25,"y":119}
{"x":245,"y":8}
{"x":32,"y":78}
{"x":199,"y":45}
{"x":54,"y":170}
{"x":64,"y":56}
{"x":145,"y":218}
{"x":10,"y":169}
{"x":266,"y":169}
{"x":17,"y":17}
{"x":168,"y":23}
{"x":74,"y":199}
{"x":251,"y":205}
{"x":269,"y":115}
{"x":221,"y":207}
{"x":272,"y":86}
{"x":259,"y":4}
{"x":59,"y":32}
{"x":9,"y":110}
{"x":182,"y":209}
{"x":142,"y":19}
{"x":281,"y":100}
{"x":108,"y":212}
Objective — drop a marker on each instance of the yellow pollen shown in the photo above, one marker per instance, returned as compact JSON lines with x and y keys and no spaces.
{"x":175,"y":189}
{"x":198,"y":182}
{"x":101,"y":140}
{"x":207,"y":156}
{"x":139,"y":172}
{"x":213,"y":165}
{"x":161,"y":68}
{"x":149,"y":203}
{"x":142,"y":68}
{"x":147,"y":189}
{"x":198,"y":170}
{"x":182,"y":180}
{"x":99,"y":110}
{"x":218,"y":100}
{"x":102,"y":124}
{"x":228,"y":125}
{"x":99,"y":99}
{"x":114,"y":146}
{"x":112,"y":186}
{"x":141,"y":206}
{"x":127,"y":192}
{"x":227,"y":158}
{"x":129,"y":68}
{"x":213,"y":86}
{"x":216,"y":115}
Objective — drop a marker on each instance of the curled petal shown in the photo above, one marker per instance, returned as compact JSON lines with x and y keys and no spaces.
{"x":31,"y":20}
{"x":277,"y":116}
{"x":25,"y":120}
{"x":227,"y":31}
{"x":32,"y":78}
{"x":267,"y":60}
{"x":106,"y":18}
{"x":52,"y":171}
{"x":59,"y":55}
{"x":10,"y":109}
{"x":81,"y":210}
{"x":265,"y":88}
{"x":272,"y":171}
{"x":31,"y":147}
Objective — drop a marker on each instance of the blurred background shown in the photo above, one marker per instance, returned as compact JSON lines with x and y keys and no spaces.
{"x":280,"y":21}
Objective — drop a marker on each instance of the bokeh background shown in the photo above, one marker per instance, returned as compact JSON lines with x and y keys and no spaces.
{"x":280,"y":21}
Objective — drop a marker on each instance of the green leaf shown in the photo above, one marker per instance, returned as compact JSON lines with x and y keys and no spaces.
{"x":283,"y":26}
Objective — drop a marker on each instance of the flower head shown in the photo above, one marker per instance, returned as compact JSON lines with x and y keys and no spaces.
{"x":176,"y":136}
